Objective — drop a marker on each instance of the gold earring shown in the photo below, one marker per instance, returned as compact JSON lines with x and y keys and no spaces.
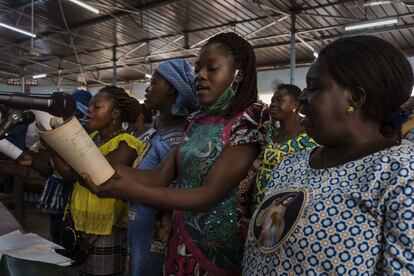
{"x":294,"y":110}
{"x":350,"y":109}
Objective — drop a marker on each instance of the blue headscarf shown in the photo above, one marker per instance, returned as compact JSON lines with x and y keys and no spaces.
{"x":179,"y":73}
{"x":82,"y":98}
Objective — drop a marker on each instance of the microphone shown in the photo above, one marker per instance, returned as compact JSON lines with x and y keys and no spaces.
{"x":58,"y":104}
{"x":9,"y":149}
{"x":13,"y":118}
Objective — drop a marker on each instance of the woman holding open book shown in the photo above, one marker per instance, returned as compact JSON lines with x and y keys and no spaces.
{"x":102,"y":222}
{"x":220,"y":143}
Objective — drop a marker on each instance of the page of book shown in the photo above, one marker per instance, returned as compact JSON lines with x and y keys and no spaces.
{"x":75,"y":146}
{"x":31,"y":247}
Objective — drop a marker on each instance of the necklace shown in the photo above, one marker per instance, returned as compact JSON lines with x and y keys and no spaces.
{"x":100,"y":142}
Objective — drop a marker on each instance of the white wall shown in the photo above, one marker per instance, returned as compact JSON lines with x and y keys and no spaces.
{"x":267,"y":81}
{"x":9,"y":88}
{"x":137,"y":89}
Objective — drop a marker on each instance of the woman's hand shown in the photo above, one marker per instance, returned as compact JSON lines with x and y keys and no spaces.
{"x":113,"y":187}
{"x":25,"y":160}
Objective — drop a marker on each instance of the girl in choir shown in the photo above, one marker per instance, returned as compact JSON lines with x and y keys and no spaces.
{"x":220,"y":143}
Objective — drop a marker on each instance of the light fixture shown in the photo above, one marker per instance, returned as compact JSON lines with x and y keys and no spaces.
{"x":39,"y":76}
{"x":315,"y":54}
{"x":86,"y":6}
{"x":376,"y":3}
{"x":148,"y":76}
{"x":370,"y":24}
{"x":17,"y":30}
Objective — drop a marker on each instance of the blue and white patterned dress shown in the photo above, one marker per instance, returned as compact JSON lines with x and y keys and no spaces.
{"x":410,"y":135}
{"x":354,"y":219}
{"x":142,"y":217}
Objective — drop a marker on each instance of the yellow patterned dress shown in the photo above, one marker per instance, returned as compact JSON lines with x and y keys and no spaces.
{"x":271,"y":155}
{"x":103,"y":220}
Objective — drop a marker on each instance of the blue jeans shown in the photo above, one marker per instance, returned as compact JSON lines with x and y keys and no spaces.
{"x":141,"y":231}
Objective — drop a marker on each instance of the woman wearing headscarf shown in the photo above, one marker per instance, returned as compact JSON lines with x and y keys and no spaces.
{"x":170,"y":93}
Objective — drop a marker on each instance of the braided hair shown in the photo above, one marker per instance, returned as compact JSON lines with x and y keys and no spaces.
{"x":147,"y":114}
{"x":377,"y":67}
{"x":128,"y":106}
{"x":245,"y":59}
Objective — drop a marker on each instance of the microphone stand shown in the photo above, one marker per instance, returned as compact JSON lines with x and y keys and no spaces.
{"x":8,"y":122}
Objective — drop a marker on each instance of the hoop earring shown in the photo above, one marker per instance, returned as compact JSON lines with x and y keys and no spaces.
{"x":350,"y":109}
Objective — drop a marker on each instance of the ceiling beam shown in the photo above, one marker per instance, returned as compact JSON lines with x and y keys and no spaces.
{"x":312,"y":8}
{"x":184,"y":53}
{"x":151,"y":6}
{"x":54,"y":29}
{"x":232,"y":23}
{"x":106,"y":17}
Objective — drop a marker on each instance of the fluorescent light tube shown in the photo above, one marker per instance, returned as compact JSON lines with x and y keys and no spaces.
{"x":370,"y":24}
{"x":86,"y":6}
{"x":17,"y":30}
{"x":315,"y":54}
{"x":39,"y":76}
{"x":148,"y":76}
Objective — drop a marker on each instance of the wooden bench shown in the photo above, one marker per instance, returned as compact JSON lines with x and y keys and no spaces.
{"x":25,"y":179}
{"x":16,"y":198}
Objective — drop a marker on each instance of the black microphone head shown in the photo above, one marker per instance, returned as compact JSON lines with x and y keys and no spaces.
{"x":28,"y":117}
{"x":63,"y":105}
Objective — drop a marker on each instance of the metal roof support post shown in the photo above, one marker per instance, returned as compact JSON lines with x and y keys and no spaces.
{"x":114,"y":66}
{"x":22,"y":84}
{"x":293,"y":50}
{"x":22,"y":80}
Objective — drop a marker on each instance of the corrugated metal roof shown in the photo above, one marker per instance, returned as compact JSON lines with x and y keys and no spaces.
{"x":71,"y":39}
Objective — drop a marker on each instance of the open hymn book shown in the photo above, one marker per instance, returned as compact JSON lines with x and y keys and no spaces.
{"x":76,"y":147}
{"x":31,"y":247}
